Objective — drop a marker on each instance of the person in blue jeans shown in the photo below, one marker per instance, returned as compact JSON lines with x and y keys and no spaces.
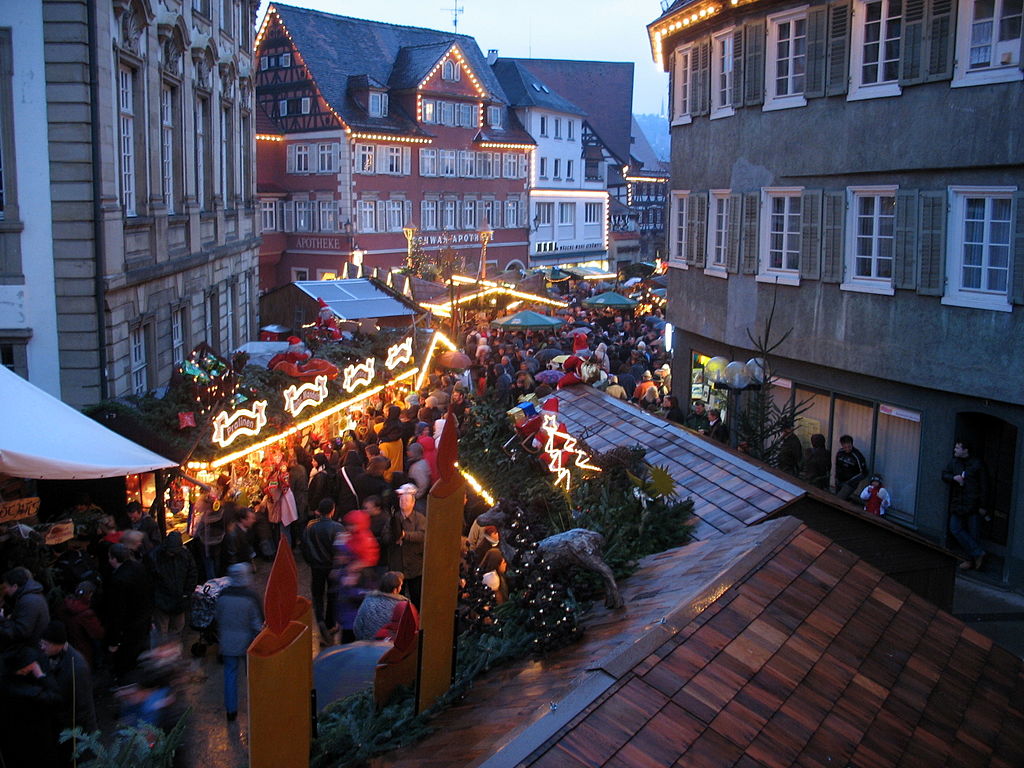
{"x":239,"y":620}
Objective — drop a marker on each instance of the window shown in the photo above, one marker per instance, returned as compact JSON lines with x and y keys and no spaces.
{"x":328,"y":215}
{"x":781,"y":236}
{"x":980,"y":242}
{"x":225,"y":18}
{"x":543,"y":125}
{"x":466,"y":165}
{"x":557,"y":168}
{"x":450,"y":70}
{"x":325,"y":155}
{"x":202,"y":118}
{"x":268,"y":215}
{"x":558,"y":127}
{"x":721,"y":74}
{"x":544,"y":214}
{"x":466,"y":115}
{"x":592,"y":213}
{"x":494,"y":117}
{"x":871,"y":238}
{"x":570,"y":129}
{"x":395,"y":209}
{"x":305,"y":105}
{"x":786,"y":60}
{"x":449,"y":162}
{"x":447,"y":110}
{"x":227,"y":158}
{"x":367,"y":216}
{"x":378,"y":104}
{"x":511,"y":213}
{"x":167,"y":148}
{"x":543,"y":167}
{"x":718,"y":232}
{"x":568,"y":170}
{"x":229,"y":315}
{"x":428,"y":214}
{"x":126,"y":113}
{"x":139,"y":374}
{"x":450,"y":214}
{"x":393,"y":160}
{"x":483,"y":165}
{"x":364,"y":158}
{"x":428,"y":162}
{"x":511,"y":165}
{"x":299,"y":275}
{"x":303,"y":215}
{"x":988,"y":42}
{"x":429,"y":110}
{"x":875,"y":49}
{"x":245,"y":315}
{"x":566,"y":214}
{"x":282,"y":108}
{"x":684,"y":77}
{"x":677,"y":230}
{"x":177,"y":335}
{"x":469,"y":214}
{"x":302,"y":158}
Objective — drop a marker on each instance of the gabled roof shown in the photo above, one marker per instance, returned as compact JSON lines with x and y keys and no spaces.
{"x":358,"y":298}
{"x":602,"y":89}
{"x":643,"y":152}
{"x":336,"y":48}
{"x":524,"y":89}
{"x":772,"y":646}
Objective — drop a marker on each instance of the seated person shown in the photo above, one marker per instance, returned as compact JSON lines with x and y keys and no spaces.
{"x":381,"y":611}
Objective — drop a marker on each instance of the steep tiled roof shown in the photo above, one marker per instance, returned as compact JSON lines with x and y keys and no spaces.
{"x":772,"y":646}
{"x":265,"y":124}
{"x":336,"y":48}
{"x":728,"y":492}
{"x":602,"y":89}
{"x":524,"y":89}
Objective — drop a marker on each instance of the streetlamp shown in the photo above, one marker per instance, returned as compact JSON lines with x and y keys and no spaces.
{"x":357,"y":255}
{"x":734,"y":377}
{"x":410,"y":235}
{"x":486,"y":234}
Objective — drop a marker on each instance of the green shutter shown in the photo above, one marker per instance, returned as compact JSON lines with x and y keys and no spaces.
{"x":810,"y":235}
{"x":732,"y":250}
{"x":753,"y":65}
{"x":838,"y":63}
{"x":904,"y":269}
{"x":737,"y":68}
{"x":931,"y":252}
{"x":912,"y":43}
{"x":940,"y":40}
{"x":817,"y":37}
{"x":1017,"y":276}
{"x":700,"y":93}
{"x":692,"y":252}
{"x":832,"y":243}
{"x":751,"y":235}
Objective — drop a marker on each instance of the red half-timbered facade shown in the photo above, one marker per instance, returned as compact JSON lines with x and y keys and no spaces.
{"x":372,"y":136}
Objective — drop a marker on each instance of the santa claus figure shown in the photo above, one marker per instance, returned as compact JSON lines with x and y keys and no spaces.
{"x":296,"y":351}
{"x":327,"y":323}
{"x":572,"y":372}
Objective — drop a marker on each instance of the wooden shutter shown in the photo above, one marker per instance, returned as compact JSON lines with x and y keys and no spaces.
{"x":381,"y":225}
{"x":912,"y":43}
{"x":1017,"y":265}
{"x":735,"y":232}
{"x":671,"y":87}
{"x":696,"y":230}
{"x":335,"y":159}
{"x":832,"y":242}
{"x":753,"y":63}
{"x":406,"y":212}
{"x":810,"y":235}
{"x":817,"y":37}
{"x":406,"y":160}
{"x":904,"y":269}
{"x":751,"y":234}
{"x":289,"y":216}
{"x":737,"y":68}
{"x":931,"y":252}
{"x":837,"y":75}
{"x":700,"y":87}
{"x":290,"y":162}
{"x":940,"y":40}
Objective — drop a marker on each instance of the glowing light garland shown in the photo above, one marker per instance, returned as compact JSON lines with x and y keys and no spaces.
{"x":399,"y":353}
{"x":296,"y":398}
{"x":438,"y":337}
{"x":244,"y":421}
{"x":358,"y":374}
{"x":477,"y":487}
{"x":557,"y":455}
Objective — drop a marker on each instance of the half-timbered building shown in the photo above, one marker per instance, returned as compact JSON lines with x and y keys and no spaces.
{"x":375,"y":140}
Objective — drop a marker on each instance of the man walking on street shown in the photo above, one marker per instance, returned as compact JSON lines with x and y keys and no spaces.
{"x":968,"y":487}
{"x":318,"y":549}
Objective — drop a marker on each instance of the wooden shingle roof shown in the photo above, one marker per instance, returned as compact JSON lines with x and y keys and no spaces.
{"x":728,"y":492}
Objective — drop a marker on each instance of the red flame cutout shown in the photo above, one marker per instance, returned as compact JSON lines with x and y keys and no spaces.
{"x":282,"y":589}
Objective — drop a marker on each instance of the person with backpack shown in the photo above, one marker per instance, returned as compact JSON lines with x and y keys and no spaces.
{"x":174,"y":576}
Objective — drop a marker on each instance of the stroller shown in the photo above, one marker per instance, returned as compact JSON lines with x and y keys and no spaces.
{"x":202,"y":616}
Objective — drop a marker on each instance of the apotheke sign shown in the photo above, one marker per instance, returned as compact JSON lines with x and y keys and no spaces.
{"x":318,"y":243}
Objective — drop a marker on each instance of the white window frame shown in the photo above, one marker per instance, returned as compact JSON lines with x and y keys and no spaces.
{"x":558,"y":128}
{"x":512,"y":211}
{"x":366,"y":213}
{"x":556,"y":169}
{"x":543,"y":125}
{"x":494,"y":117}
{"x":378,"y":104}
{"x":774,"y":21}
{"x":305,"y":105}
{"x":268,"y":215}
{"x":682,"y":95}
{"x":304,"y":212}
{"x":139,"y":360}
{"x":469,"y":213}
{"x":510,"y":165}
{"x":778,"y":275}
{"x":722,"y":48}
{"x":428,"y":215}
{"x":717,"y":253}
{"x":592,"y":208}
{"x":851,"y":282}
{"x":299,"y":275}
{"x":428,"y":162}
{"x":177,"y":334}
{"x":570,"y":130}
{"x":955,"y":294}
{"x":126,"y":135}
{"x":282,"y":108}
{"x":860,"y":90}
{"x":394,"y":215}
{"x":325,"y":158}
{"x":392,"y":161}
{"x":963,"y":74}
{"x":570,"y":220}
{"x":302,"y":158}
{"x":466,"y":164}
{"x":365,"y":158}
{"x":678,"y":205}
{"x":448,"y":162}
{"x":449,"y":214}
{"x":542,"y":169}
{"x":451,"y":71}
{"x":327,"y":216}
{"x":167,"y":94}
{"x":447,"y":110}
{"x":428,"y":111}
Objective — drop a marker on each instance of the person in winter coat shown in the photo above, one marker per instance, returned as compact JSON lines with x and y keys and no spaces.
{"x":406,"y":553}
{"x":875,"y":497}
{"x":318,"y":550}
{"x":968,"y":486}
{"x":129,"y":601}
{"x":74,"y":680}
{"x":791,"y":452}
{"x":324,"y":484}
{"x":29,"y":702}
{"x":392,"y":441}
{"x":429,"y":446}
{"x":419,"y":472}
{"x":817,"y":463}
{"x":381,"y":610}
{"x":237,"y":546}
{"x":372,"y":482}
{"x":355,"y":550}
{"x":351,"y":469}
{"x":239,"y":620}
{"x":85,"y":631}
{"x":25,"y":614}
{"x":174,"y":576}
{"x":298,"y":479}
{"x":144,"y":523}
{"x":851,"y":468}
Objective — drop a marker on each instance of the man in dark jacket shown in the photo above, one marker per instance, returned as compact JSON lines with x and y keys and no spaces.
{"x":129,"y":609}
{"x":372,"y":482}
{"x":851,"y":468}
{"x":318,"y":549}
{"x":237,"y":546}
{"x":74,"y":680}
{"x":968,"y":486}
{"x":324,"y":484}
{"x":174,"y":576}
{"x":25,"y":611}
{"x":791,"y":452}
{"x":145,"y":524}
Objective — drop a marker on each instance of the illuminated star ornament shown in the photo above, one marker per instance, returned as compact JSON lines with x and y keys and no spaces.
{"x":357,"y":375}
{"x":242,"y":422}
{"x":398,"y":354}
{"x":560,"y":447}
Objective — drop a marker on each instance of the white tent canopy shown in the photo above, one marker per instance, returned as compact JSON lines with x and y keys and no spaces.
{"x":45,"y":439}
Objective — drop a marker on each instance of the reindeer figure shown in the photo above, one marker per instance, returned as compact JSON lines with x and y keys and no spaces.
{"x":578,"y":546}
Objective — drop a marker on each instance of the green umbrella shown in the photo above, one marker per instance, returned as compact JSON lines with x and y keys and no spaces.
{"x":554,"y":274}
{"x":527,"y":319}
{"x":609,"y":299}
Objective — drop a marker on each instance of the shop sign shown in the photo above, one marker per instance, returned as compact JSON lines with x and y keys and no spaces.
{"x":449,"y":238}
{"x":899,"y":413}
{"x":18,"y":509}
{"x":398,"y":354}
{"x":311,"y":393}
{"x":60,"y":532}
{"x":242,"y":422}
{"x":316,"y":243}
{"x":358,"y":375}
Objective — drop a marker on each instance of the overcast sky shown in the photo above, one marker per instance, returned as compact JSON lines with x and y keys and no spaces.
{"x":602,"y":30}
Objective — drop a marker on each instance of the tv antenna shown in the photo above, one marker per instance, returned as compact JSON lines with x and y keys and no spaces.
{"x":455,"y":14}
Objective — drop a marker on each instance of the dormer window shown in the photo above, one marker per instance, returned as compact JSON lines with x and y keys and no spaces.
{"x":450,"y":71}
{"x":494,"y":117}
{"x":378,"y":104}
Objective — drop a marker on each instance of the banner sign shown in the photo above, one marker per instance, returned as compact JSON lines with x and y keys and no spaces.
{"x":311,"y":393}
{"x":242,"y":422}
{"x":18,"y":509}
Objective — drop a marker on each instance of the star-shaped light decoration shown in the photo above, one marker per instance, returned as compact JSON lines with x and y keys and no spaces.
{"x":358,"y":375}
{"x":557,"y":455}
{"x":398,"y":354}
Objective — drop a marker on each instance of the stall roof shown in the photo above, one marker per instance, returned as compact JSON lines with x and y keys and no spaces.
{"x":357,"y":298}
{"x":46,"y":439}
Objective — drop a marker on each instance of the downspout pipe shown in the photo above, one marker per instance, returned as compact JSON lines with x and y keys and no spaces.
{"x":99,"y":237}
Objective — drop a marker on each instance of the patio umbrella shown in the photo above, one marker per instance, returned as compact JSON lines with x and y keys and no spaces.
{"x":549,"y":376}
{"x":584,"y":329}
{"x":554,"y":274}
{"x":609,"y":299}
{"x":455,"y":360}
{"x":545,"y":355}
{"x":527,"y":319}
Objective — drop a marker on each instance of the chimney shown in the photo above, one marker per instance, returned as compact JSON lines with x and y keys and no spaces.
{"x":492,"y":56}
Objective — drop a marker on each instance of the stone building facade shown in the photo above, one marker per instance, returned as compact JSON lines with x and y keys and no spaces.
{"x":151,"y":158}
